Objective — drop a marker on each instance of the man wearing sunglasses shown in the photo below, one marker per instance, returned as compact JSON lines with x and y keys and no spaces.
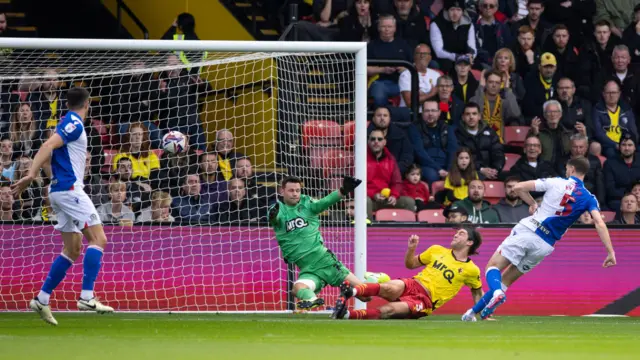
{"x":384,"y":182}
{"x":492,"y":34}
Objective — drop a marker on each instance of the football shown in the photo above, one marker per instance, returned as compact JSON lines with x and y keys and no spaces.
{"x":174,"y":142}
{"x":376,"y":277}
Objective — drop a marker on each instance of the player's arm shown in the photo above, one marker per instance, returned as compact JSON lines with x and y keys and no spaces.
{"x":274,"y":214}
{"x":411,"y":260}
{"x":524,"y":188}
{"x":42,"y":157}
{"x":476,"y":294}
{"x":603,"y":233}
{"x":348,"y":185}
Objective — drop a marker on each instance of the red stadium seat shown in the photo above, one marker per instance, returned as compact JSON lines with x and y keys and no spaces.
{"x":608,"y":216}
{"x":510,"y":160}
{"x":395,"y":215}
{"x":108,"y":160}
{"x":437,"y":186}
{"x":493,"y":191}
{"x":476,"y":74}
{"x":602,"y":159}
{"x":349,"y":130}
{"x":431,"y":216}
{"x":321,"y":133}
{"x":515,"y":135}
{"x":338,"y":162}
{"x":316,"y":157}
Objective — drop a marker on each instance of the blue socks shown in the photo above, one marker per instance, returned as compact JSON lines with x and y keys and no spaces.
{"x":494,"y":280}
{"x":92,"y":263}
{"x":57,"y":272}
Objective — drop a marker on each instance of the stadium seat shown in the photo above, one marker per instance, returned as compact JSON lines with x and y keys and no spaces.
{"x":476,"y":74}
{"x":338,"y":162}
{"x":349,"y":131}
{"x":493,"y":191}
{"x":431,"y":216}
{"x":510,"y":160}
{"x":602,"y":159}
{"x":515,"y":135}
{"x":608,"y":215}
{"x":108,"y":160}
{"x":321,"y":133}
{"x":395,"y":215}
{"x":316,"y":157}
{"x":437,"y":186}
{"x":158,"y":152}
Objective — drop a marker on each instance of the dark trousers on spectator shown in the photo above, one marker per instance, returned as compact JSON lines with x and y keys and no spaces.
{"x":430,"y":175}
{"x":381,"y":90}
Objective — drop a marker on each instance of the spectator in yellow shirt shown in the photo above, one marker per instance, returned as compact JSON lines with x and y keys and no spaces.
{"x":135,"y":146}
{"x":456,"y":183}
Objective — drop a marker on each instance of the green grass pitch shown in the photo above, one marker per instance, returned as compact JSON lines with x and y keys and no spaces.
{"x":304,"y":337}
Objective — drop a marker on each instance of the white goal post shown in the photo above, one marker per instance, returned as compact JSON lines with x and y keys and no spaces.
{"x":27,"y":248}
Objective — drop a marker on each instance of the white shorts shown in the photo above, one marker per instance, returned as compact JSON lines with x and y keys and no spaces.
{"x":74,"y":210}
{"x":524,"y":248}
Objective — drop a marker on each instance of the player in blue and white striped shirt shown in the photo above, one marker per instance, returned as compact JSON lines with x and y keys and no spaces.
{"x":66,"y":151}
{"x":534,"y":237}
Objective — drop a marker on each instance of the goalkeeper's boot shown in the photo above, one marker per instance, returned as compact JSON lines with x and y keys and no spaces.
{"x":306,"y":305}
{"x":94,"y":305}
{"x":498,"y":299}
{"x":346,"y":292}
{"x":44,"y":311}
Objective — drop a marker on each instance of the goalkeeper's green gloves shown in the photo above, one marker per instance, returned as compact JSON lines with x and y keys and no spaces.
{"x":273,"y":212}
{"x":349,"y":184}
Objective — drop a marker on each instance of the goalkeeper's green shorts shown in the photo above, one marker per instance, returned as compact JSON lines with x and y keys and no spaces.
{"x":324,"y":270}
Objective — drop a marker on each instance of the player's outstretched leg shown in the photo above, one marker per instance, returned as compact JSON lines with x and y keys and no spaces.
{"x":304,"y":290}
{"x":363,"y":290}
{"x":92,"y":263}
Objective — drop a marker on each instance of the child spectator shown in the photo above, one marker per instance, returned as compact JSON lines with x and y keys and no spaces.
{"x":24,"y":132}
{"x":414,"y":188}
{"x":115,"y":211}
{"x":456,"y":183}
{"x":160,"y":210}
{"x":135,"y":146}
{"x":6,"y":159}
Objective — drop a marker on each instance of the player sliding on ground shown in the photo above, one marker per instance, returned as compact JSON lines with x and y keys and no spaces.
{"x":296,"y":224}
{"x":445,"y":272}
{"x":66,"y":152}
{"x":534,"y":237}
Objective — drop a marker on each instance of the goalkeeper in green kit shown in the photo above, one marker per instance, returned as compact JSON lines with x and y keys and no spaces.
{"x":297,"y":227}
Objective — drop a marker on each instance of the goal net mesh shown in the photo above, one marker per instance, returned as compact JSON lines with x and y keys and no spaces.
{"x":185,"y":232}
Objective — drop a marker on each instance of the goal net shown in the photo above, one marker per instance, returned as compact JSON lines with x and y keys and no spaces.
{"x":185,"y":232}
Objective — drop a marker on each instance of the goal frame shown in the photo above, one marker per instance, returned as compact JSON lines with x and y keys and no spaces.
{"x":360,"y":103}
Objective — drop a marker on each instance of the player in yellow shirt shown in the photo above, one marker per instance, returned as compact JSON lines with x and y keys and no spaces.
{"x":445,"y":272}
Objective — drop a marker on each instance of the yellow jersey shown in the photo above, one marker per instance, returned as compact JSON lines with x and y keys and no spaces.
{"x":444,"y":275}
{"x":141,"y":166}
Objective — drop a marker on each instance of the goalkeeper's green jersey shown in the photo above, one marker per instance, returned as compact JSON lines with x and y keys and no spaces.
{"x":297,"y":227}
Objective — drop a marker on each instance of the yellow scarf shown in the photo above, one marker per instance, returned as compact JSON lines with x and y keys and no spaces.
{"x":614,"y":132}
{"x":52,"y":122}
{"x":494,"y":120}
{"x":225,"y":168}
{"x":547,"y":87}
{"x":464,"y":92}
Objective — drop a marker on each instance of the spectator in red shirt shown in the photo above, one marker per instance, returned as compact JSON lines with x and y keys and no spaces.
{"x":414,"y":188}
{"x":384,"y":183}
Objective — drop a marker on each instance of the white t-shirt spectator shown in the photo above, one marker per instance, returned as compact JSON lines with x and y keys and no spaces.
{"x":427,"y":81}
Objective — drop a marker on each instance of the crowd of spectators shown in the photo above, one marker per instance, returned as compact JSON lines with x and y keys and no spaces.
{"x":567,"y":71}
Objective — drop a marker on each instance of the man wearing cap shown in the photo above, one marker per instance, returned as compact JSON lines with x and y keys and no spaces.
{"x":455,"y":214}
{"x":452,"y":34}
{"x":621,"y":171}
{"x":612,"y":117}
{"x":540,"y":86}
{"x":464,"y":83}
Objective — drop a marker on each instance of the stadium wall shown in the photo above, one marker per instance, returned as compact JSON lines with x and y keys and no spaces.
{"x":162,"y":268}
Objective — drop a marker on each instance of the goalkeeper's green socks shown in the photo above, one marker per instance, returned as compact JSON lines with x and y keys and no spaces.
{"x":306,"y":295}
